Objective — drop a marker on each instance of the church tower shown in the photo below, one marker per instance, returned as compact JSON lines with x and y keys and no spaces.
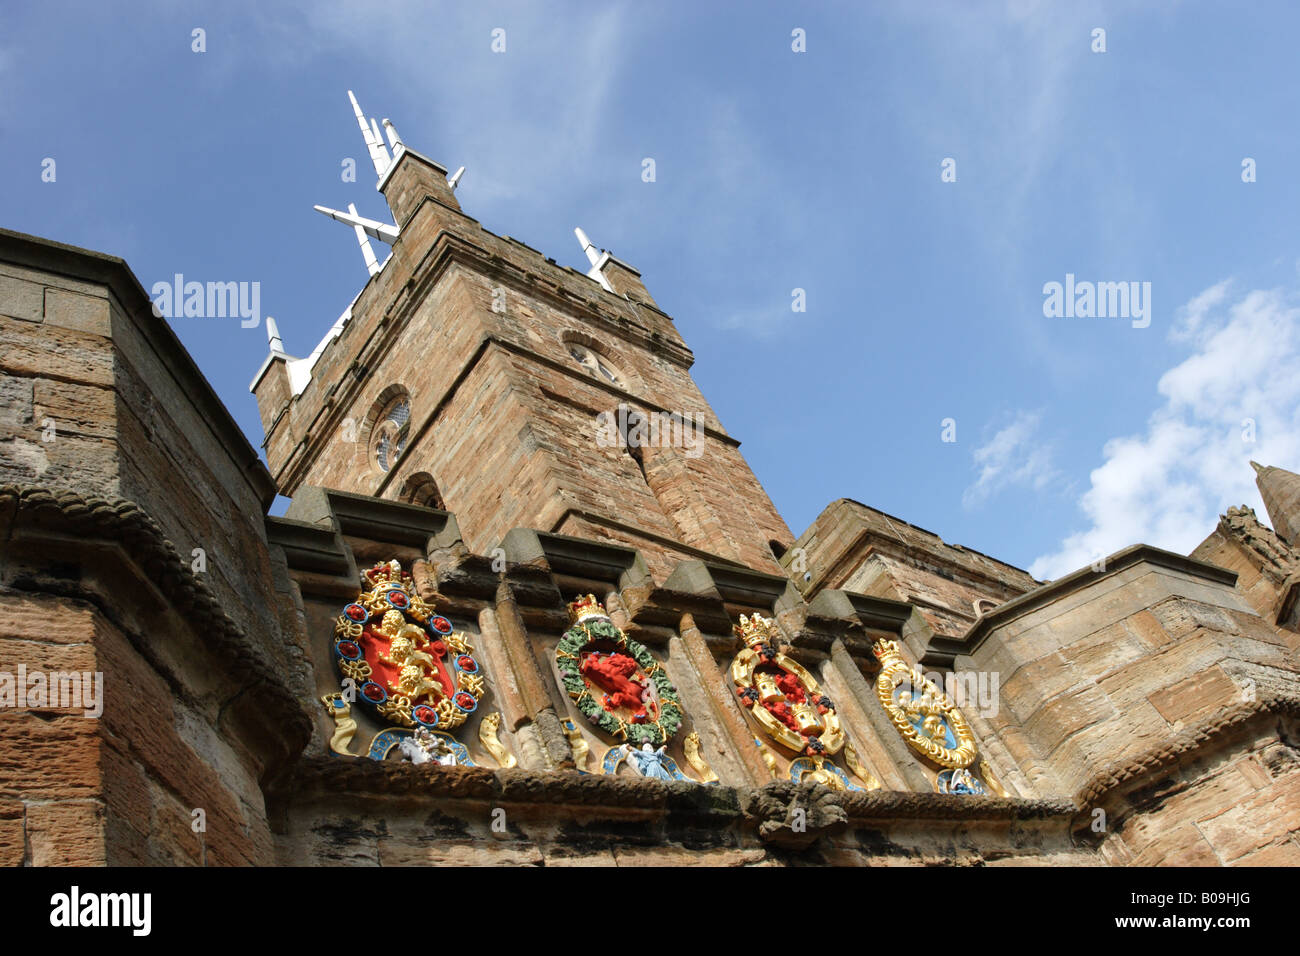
{"x":1280,"y":490}
{"x":473,"y":373}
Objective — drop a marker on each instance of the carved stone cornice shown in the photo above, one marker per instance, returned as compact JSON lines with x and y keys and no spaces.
{"x":30,"y":513}
{"x":1204,"y":735}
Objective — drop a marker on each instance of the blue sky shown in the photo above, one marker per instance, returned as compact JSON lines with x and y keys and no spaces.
{"x":775,"y":170}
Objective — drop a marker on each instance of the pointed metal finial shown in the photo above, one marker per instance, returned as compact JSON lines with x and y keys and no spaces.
{"x":454,"y":179}
{"x":394,"y":140}
{"x":595,"y":257}
{"x":273,"y":335}
{"x":589,"y":247}
{"x":374,"y":142}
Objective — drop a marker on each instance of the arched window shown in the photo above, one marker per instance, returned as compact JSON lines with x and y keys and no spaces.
{"x":420,"y":489}
{"x":390,"y":429}
{"x":597,"y":365}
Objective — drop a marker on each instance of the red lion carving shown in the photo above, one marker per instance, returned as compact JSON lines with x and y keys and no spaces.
{"x":613,"y":674}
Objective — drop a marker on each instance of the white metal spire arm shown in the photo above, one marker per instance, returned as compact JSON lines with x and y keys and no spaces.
{"x":273,"y":335}
{"x":589,"y":247}
{"x":371,"y":227}
{"x":394,"y":140}
{"x":367,"y":253}
{"x":595,"y":257}
{"x":374,"y":142}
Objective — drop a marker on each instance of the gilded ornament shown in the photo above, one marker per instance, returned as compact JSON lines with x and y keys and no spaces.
{"x":781,"y":695}
{"x":344,"y":726}
{"x":578,"y":744}
{"x":768,"y":760}
{"x":487,"y":735}
{"x":408,"y":664}
{"x":820,"y":770}
{"x":986,"y":772}
{"x":858,"y":767}
{"x":614,"y":681}
{"x":691,"y":747}
{"x":922,"y":713}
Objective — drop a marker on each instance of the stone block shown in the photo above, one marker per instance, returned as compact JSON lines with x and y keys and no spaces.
{"x":67,"y":833}
{"x":21,"y":299}
{"x":81,"y":312}
{"x":1197,"y":697}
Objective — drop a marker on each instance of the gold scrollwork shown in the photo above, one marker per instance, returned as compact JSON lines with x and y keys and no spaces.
{"x":487,"y":734}
{"x":691,"y":747}
{"x":578,"y":744}
{"x":929,"y":707}
{"x":858,"y":767}
{"x":337,"y":706}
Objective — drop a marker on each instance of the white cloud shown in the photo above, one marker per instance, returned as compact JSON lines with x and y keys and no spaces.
{"x":1191,"y":317}
{"x":1168,"y":485}
{"x":1015,"y":456}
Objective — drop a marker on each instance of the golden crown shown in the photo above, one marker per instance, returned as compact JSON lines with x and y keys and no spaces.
{"x":757,"y":630}
{"x":886,"y":650}
{"x":387,"y":573}
{"x":586,"y":606}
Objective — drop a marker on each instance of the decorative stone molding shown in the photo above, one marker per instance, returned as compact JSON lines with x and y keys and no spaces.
{"x":1053,"y":590}
{"x":123,"y":523}
{"x":1187,"y":741}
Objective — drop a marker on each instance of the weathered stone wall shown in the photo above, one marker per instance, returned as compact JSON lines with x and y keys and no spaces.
{"x":1153,"y":691}
{"x":476,"y":328}
{"x":365,"y":813}
{"x":1234,"y":802}
{"x":116,"y":461}
{"x":855,"y":548}
{"x":1108,"y":677}
{"x":1268,"y":575}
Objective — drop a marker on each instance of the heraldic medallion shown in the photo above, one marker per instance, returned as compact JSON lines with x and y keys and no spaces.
{"x":786,"y":702}
{"x":408,"y":666}
{"x":928,"y":719}
{"x":622,"y":690}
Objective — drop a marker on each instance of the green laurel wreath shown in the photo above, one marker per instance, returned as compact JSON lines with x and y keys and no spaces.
{"x":567,"y":660}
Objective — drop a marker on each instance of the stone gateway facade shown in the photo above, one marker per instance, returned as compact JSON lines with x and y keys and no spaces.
{"x":530,"y":605}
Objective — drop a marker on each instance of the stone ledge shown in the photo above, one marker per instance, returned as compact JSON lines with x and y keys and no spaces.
{"x":310,"y":547}
{"x":361,"y":777}
{"x":1119,"y":561}
{"x":114,"y":274}
{"x":122,"y":524}
{"x":379,"y":519}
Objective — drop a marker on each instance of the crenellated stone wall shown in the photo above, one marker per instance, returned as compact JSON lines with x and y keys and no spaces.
{"x":1141,"y":712}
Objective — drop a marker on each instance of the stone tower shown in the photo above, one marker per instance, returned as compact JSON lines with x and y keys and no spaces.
{"x":1280,"y":490}
{"x":475,"y":374}
{"x":477,"y":401}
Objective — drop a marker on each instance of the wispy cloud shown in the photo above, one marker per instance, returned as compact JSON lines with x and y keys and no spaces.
{"x":1014,"y":457}
{"x":1235,"y":398}
{"x":1191,"y":317}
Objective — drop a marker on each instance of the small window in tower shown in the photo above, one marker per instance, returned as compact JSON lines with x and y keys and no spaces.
{"x":421,"y":489}
{"x":597,"y":365}
{"x":391,"y":431}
